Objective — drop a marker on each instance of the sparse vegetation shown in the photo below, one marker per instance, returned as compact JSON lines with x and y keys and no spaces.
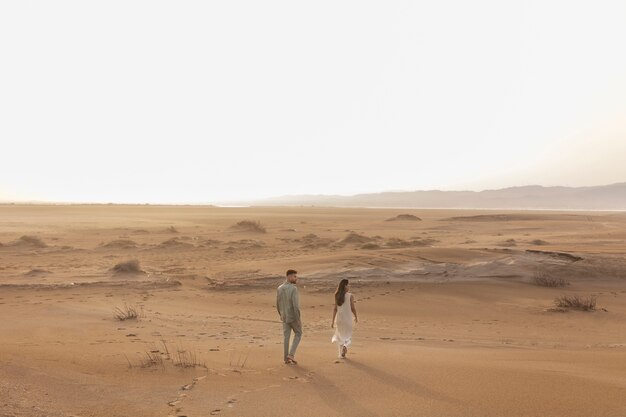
{"x":238,"y":360}
{"x":171,"y":229}
{"x":184,"y":358}
{"x":576,"y":302}
{"x":159,"y":356}
{"x":128,"y":313}
{"x":542,"y":279}
{"x":150,"y":359}
{"x":128,"y":267}
{"x":249,"y":226}
{"x":539,"y":242}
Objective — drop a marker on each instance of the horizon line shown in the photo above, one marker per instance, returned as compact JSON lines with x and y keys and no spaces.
{"x":249,"y":203}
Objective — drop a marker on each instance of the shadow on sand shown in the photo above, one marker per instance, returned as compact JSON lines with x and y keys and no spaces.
{"x":403,"y":384}
{"x":334,"y":397}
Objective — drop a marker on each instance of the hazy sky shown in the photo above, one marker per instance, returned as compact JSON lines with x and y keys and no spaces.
{"x":182,"y":101}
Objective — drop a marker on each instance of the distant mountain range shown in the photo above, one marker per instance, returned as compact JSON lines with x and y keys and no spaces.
{"x":607,"y":197}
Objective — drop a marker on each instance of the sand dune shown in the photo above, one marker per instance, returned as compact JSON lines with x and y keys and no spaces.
{"x":451,"y":323}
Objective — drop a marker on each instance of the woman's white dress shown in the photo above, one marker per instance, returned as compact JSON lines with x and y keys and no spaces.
{"x":343,"y":324}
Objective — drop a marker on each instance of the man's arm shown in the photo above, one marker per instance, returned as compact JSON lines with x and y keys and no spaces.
{"x":295,"y":299}
{"x":277,"y":305}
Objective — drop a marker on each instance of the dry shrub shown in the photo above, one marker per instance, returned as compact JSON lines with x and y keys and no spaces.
{"x":576,"y":302}
{"x":544,"y":280}
{"x":128,"y":267}
{"x":128,"y":313}
{"x":539,"y":242}
{"x":171,"y":229}
{"x":249,"y":226}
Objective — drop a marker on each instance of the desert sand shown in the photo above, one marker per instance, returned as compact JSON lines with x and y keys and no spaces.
{"x":451,"y":321}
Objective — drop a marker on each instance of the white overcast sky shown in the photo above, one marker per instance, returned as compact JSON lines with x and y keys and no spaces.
{"x":208,"y":101}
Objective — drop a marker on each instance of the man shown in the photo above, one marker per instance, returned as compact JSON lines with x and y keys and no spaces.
{"x":288,"y":306}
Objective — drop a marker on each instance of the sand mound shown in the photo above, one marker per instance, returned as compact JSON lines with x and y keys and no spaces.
{"x":370,"y":246}
{"x":119,"y":244}
{"x":174,"y":243}
{"x":36,"y":272}
{"x":249,"y":226}
{"x":518,"y":217}
{"x":128,"y":267}
{"x":395,"y":242}
{"x":246,"y":244}
{"x":312,"y":241}
{"x":508,"y":243}
{"x":404,"y":217}
{"x":355,"y":238}
{"x":29,"y":242}
{"x":210,"y":243}
{"x":140,"y":232}
{"x":558,"y":255}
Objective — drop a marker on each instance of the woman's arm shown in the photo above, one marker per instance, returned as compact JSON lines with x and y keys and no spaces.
{"x":353,"y":308}
{"x":332,"y":324}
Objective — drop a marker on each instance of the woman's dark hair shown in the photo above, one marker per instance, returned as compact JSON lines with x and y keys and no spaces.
{"x":340,"y":294}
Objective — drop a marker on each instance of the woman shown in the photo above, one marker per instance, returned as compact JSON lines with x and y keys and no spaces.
{"x":342,"y":317}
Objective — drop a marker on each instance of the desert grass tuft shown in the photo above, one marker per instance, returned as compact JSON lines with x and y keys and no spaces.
{"x":152,"y":358}
{"x":542,"y":279}
{"x":575,"y":302}
{"x":238,"y":360}
{"x":128,"y":267}
{"x":128,"y":313}
{"x":184,"y":358}
{"x":249,"y":226}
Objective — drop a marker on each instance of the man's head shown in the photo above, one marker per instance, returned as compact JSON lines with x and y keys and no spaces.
{"x":292,"y":276}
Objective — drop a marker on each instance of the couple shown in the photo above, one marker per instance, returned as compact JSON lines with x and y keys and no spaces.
{"x":288,"y":306}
